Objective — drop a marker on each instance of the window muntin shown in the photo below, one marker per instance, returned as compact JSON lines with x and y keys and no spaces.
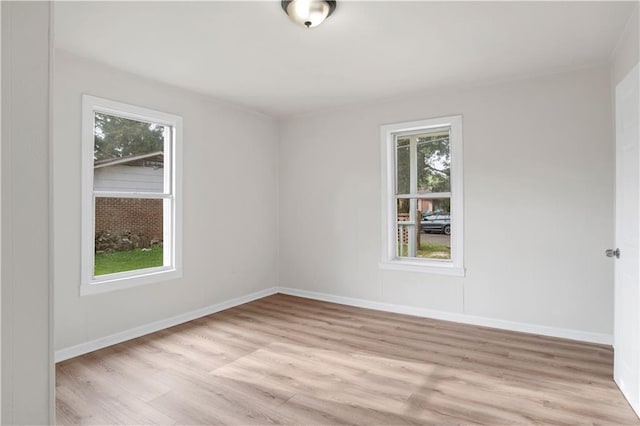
{"x":423,"y":191}
{"x":131,"y":208}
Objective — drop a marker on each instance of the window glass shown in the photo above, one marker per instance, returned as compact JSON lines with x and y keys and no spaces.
{"x":128,"y":158}
{"x":128,"y":155}
{"x":423,"y":196}
{"x":433,"y":162}
{"x":131,"y":212}
{"x":429,"y":234}
{"x":129,"y":234}
{"x":402,"y":167}
{"x":423,"y":166}
{"x":434,"y":241}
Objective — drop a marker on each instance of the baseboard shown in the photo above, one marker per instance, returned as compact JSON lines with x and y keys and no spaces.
{"x":142,"y":330}
{"x":123,"y":336}
{"x":583,"y":336}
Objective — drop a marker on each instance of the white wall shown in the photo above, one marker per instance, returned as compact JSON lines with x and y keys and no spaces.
{"x":230,"y":187}
{"x":538,"y":175}
{"x":27,"y":383}
{"x":627,"y":51}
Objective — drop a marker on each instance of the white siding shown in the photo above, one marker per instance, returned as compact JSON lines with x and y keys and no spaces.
{"x":128,"y":178}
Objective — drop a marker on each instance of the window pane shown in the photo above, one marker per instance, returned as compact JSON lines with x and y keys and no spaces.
{"x":428,"y":235}
{"x":403,"y":209}
{"x":434,"y":241}
{"x":128,"y":154}
{"x":402,"y":167}
{"x":434,"y":162}
{"x":406,"y":232}
{"x":129,"y":234}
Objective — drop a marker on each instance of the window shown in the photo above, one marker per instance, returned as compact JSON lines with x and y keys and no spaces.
{"x":422,"y":196}
{"x":131,"y":228}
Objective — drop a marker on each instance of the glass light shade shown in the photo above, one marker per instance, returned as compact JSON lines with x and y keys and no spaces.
{"x":308,"y":13}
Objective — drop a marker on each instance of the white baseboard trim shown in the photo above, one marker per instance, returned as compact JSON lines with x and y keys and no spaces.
{"x":583,"y":336}
{"x":103,"y":342}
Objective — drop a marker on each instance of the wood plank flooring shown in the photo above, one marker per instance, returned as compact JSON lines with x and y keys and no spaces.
{"x":289,"y":360}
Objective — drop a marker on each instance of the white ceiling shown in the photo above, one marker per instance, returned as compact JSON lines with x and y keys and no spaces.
{"x":250,"y":53}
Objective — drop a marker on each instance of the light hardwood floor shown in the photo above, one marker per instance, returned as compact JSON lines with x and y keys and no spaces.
{"x":289,"y":360}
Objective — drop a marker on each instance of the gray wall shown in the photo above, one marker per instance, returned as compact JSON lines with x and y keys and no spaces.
{"x":627,"y":51}
{"x":27,"y":384}
{"x":538,"y":174}
{"x":230,"y":204}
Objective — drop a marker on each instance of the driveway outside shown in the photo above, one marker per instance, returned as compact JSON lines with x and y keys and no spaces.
{"x":436,"y":238}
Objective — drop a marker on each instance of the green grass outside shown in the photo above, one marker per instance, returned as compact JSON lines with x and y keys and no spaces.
{"x":434,"y":251}
{"x":110,"y":263}
{"x":431,"y":251}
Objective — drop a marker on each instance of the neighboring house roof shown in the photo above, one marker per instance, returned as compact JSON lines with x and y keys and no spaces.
{"x":133,"y":160}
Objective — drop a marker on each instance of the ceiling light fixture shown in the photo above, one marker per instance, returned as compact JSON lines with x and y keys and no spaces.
{"x":308,"y":13}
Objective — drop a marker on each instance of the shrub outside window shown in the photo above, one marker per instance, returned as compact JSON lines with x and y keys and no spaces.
{"x":131,"y":195}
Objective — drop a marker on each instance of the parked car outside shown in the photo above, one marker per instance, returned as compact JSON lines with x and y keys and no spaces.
{"x":436,"y":222}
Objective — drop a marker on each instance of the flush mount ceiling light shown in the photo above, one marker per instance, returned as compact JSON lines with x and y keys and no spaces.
{"x":308,"y":13}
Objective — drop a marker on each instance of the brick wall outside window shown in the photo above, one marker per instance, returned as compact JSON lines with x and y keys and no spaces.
{"x":142,"y":217}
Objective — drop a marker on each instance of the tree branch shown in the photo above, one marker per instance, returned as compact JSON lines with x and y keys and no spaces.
{"x":433,"y":169}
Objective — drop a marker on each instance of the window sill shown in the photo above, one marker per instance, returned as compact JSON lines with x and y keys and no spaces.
{"x":120,"y":283}
{"x":423,"y":267}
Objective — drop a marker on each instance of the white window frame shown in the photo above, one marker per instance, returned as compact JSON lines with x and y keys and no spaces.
{"x":173,"y":193}
{"x":390,"y":260}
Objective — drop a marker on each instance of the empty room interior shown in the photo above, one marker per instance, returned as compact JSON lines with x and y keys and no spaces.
{"x":320,"y":212}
